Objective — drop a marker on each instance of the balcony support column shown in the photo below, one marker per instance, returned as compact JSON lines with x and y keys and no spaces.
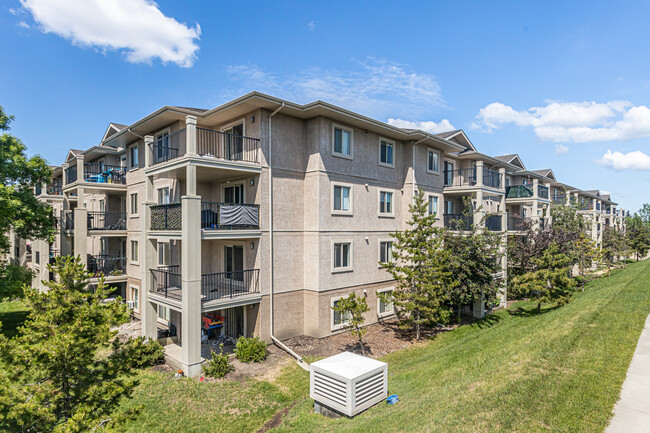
{"x":190,"y":136}
{"x":81,"y":233}
{"x":479,"y":212}
{"x":80,"y":168}
{"x":535,"y":215}
{"x":148,"y":150}
{"x":502,"y":203}
{"x":479,"y":173}
{"x":148,"y":313}
{"x":191,"y":285}
{"x":64,"y":168}
{"x":190,"y":175}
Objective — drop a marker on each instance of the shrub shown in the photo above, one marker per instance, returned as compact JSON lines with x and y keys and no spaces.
{"x":142,"y":352}
{"x":218,"y":365}
{"x":250,"y":349}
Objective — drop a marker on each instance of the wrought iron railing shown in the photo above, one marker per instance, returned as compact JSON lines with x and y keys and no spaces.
{"x":104,"y":173}
{"x":543,"y":223}
{"x":542,"y":191}
{"x":38,"y":189}
{"x":166,"y":216}
{"x":107,"y":266}
{"x":493,"y":223}
{"x":518,"y":223}
{"x":68,"y":220}
{"x":518,"y":191}
{"x":492,"y":179}
{"x":458,"y":221}
{"x":71,"y":174}
{"x":229,"y":216}
{"x":460,"y":177}
{"x":169,"y":147}
{"x":55,"y":189}
{"x":167,"y":282}
{"x":222,"y":145}
{"x":229,"y":284}
{"x":559,"y":198}
{"x":98,"y":220}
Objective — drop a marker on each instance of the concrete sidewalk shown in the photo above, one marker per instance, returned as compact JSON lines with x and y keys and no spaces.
{"x":632,"y":412}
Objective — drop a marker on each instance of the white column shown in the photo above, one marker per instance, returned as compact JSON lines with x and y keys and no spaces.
{"x":148,"y":150}
{"x":191,"y":285}
{"x":535,"y":216}
{"x":80,"y":168}
{"x":81,"y":233}
{"x":148,"y":259}
{"x":479,"y":173}
{"x":502,"y":204}
{"x":190,"y":135}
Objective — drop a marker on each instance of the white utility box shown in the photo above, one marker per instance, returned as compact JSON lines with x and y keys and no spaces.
{"x":348,"y":383}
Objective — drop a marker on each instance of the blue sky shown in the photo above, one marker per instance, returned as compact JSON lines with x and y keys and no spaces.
{"x":564,"y":84}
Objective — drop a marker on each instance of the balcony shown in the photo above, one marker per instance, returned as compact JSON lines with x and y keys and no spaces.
{"x":166,"y":216}
{"x":103,"y":265}
{"x":214,"y":287}
{"x":493,"y":223}
{"x":210,"y":144}
{"x":460,"y":177}
{"x":519,"y":191}
{"x":103,"y":173}
{"x":559,"y":198}
{"x":542,"y":191}
{"x":229,"y":216}
{"x":492,"y":179}
{"x":71,"y":174}
{"x":98,"y":220}
{"x":68,"y":220}
{"x":518,"y":223}
{"x":458,"y":221}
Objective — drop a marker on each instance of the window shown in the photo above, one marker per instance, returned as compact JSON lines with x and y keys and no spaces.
{"x":37,"y":259}
{"x":163,"y":313}
{"x":103,"y":249}
{"x":102,"y":205}
{"x":339,"y":320}
{"x":135,"y":296}
{"x":134,"y":203}
{"x":384,"y":308}
{"x":342,"y":199}
{"x":385,"y":203}
{"x":449,"y":207}
{"x":433,"y":161}
{"x":386,"y":153}
{"x":134,"y":251}
{"x":133,"y":156}
{"x":164,"y":253}
{"x":449,"y":173}
{"x":342,"y":260}
{"x":433,"y":205}
{"x":233,"y":194}
{"x":342,"y":142}
{"x":162,"y":152}
{"x":163,"y":195}
{"x":385,"y":251}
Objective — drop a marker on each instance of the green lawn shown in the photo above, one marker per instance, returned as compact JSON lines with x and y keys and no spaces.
{"x":12,"y":315}
{"x":561,"y":370}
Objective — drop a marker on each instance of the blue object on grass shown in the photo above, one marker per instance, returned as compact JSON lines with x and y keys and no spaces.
{"x":392,"y":399}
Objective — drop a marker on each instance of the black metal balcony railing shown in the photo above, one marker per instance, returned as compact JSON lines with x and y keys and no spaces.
{"x":458,"y":221}
{"x":167,"y":282}
{"x":492,"y":178}
{"x":168,"y":147}
{"x":38,"y":189}
{"x":55,"y":189}
{"x":460,"y":177}
{"x":493,"y":223}
{"x":518,"y":191}
{"x":107,"y":266}
{"x":71,"y":174}
{"x":98,"y":220}
{"x":166,"y":216}
{"x":222,"y":145}
{"x":229,"y":284}
{"x":68,"y":220}
{"x":103,"y":173}
{"x":559,"y":198}
{"x":518,"y":223}
{"x":229,"y":216}
{"x":543,"y":223}
{"x":542,"y":191}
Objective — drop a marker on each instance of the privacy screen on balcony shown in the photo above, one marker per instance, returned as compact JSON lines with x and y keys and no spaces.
{"x":239,"y":215}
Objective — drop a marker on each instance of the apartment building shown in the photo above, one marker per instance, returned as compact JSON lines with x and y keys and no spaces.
{"x":262,"y":213}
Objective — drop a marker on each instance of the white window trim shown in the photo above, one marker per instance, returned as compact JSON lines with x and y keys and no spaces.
{"x":160,"y":319}
{"x":342,"y":325}
{"x":342,"y":212}
{"x":226,"y":185}
{"x":162,"y":131}
{"x":384,"y":164}
{"x":233,"y":244}
{"x":134,"y":262}
{"x":137,"y":304}
{"x":390,"y":214}
{"x":440,"y":162}
{"x":241,"y":121}
{"x":349,"y":268}
{"x":379,"y":242}
{"x":440,"y":202}
{"x":351,"y":131}
{"x":158,"y":194}
{"x":137,"y":208}
{"x":158,"y":252}
{"x":387,"y":313}
{"x":130,"y":160}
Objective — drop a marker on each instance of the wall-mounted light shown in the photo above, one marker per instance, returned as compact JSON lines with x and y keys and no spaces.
{"x":252,"y":182}
{"x":252,"y":119}
{"x":252,"y":245}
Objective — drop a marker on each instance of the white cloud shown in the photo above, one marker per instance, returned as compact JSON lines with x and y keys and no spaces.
{"x":625,"y":161}
{"x":561,"y":149}
{"x":376,"y":87}
{"x":23,"y":24}
{"x":579,"y":122}
{"x":13,"y":11}
{"x":137,"y":27}
{"x":428,"y":126}
{"x":311,"y":25}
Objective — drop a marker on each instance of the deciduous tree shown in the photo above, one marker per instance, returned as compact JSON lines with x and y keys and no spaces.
{"x":353,"y":308}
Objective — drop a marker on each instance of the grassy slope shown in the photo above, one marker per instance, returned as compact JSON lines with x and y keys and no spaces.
{"x":561,"y":370}
{"x":12,"y":315}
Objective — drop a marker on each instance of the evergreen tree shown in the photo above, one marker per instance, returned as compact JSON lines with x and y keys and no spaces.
{"x":638,"y":235}
{"x":66,"y":371}
{"x":614,"y":246}
{"x":585,"y":252}
{"x":420,"y":269}
{"x":354,"y":308}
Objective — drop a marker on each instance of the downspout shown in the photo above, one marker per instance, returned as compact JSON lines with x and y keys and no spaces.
{"x":271,"y":285}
